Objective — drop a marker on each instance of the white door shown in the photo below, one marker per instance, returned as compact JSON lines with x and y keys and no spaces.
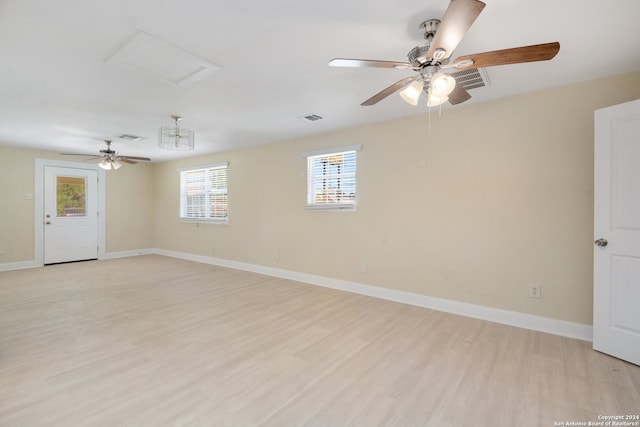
{"x":70,"y":214}
{"x":616,"y":258}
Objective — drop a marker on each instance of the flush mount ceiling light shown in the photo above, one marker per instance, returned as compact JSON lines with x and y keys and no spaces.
{"x":175,"y":137}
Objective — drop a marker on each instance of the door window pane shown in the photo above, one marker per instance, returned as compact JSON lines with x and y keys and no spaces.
{"x":71,"y":196}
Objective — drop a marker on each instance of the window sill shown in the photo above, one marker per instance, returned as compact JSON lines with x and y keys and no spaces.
{"x":332,"y":207}
{"x":204,"y":221}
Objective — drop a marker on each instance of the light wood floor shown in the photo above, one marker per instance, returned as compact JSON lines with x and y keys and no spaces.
{"x":156,"y":341}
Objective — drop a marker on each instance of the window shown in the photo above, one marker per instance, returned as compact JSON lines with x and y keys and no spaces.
{"x":70,"y":196}
{"x":203,"y":193}
{"x":331,"y":178}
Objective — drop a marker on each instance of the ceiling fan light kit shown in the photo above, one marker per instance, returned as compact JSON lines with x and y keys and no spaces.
{"x":110,"y":164}
{"x":431,"y":58}
{"x":110,"y":159}
{"x":411,"y":93}
{"x":441,"y":85}
{"x":434,"y":101}
{"x":175,"y":137}
{"x":437,"y":90}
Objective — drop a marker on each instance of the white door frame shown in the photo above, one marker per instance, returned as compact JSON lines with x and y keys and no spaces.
{"x":38,"y":216}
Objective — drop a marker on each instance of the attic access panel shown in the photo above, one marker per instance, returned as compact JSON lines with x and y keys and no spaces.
{"x":163,"y":60}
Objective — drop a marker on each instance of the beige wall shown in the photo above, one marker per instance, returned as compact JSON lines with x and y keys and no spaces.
{"x":129,"y":204}
{"x":130,"y":208}
{"x":505,"y":200}
{"x":16,"y":213}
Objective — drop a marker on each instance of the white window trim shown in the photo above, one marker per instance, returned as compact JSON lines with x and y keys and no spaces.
{"x":331,"y":206}
{"x":202,"y":220}
{"x":344,"y":148}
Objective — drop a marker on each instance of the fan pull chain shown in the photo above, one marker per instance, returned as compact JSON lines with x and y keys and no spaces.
{"x":429,"y":116}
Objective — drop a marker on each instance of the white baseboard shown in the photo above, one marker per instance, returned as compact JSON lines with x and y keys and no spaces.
{"x":108,"y":255}
{"x":125,"y":254}
{"x":8,"y":266}
{"x":507,"y":317}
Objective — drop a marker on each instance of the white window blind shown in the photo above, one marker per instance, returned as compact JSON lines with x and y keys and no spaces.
{"x":203,"y":193}
{"x":331,"y":180}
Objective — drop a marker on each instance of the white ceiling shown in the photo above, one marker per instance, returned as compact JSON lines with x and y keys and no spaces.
{"x":59,"y":91}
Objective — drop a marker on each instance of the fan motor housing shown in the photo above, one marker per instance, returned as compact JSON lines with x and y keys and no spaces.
{"x":418,"y":56}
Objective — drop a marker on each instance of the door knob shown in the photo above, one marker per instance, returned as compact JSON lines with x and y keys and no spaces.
{"x":601,"y":242}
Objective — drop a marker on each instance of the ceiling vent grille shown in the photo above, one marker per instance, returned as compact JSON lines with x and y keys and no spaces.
{"x":311,"y":117}
{"x":130,"y":137}
{"x":472,"y":78}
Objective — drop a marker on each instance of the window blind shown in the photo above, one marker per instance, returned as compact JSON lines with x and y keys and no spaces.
{"x":331,"y":180}
{"x":203,"y":193}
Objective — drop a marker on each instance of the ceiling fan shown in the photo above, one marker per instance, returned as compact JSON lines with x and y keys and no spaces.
{"x":432,"y":57}
{"x":109,"y":159}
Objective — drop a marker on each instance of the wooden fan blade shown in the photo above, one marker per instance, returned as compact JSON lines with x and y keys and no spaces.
{"x":516,"y":55}
{"x":388,"y":91}
{"x":456,"y":21}
{"x":369,"y":63}
{"x":126,"y":160}
{"x":144,"y":159}
{"x":459,"y":95}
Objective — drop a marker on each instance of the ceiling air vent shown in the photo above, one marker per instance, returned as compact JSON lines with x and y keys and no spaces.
{"x":311,"y":117}
{"x":472,"y":78}
{"x":128,"y":137}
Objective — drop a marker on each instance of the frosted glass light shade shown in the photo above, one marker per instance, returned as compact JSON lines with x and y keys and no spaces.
{"x":109,"y":164}
{"x":434,"y":101}
{"x":411,"y":93}
{"x":442,"y":85}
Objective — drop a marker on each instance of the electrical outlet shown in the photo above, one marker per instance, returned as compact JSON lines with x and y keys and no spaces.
{"x":363,"y":266}
{"x":535,"y":291}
